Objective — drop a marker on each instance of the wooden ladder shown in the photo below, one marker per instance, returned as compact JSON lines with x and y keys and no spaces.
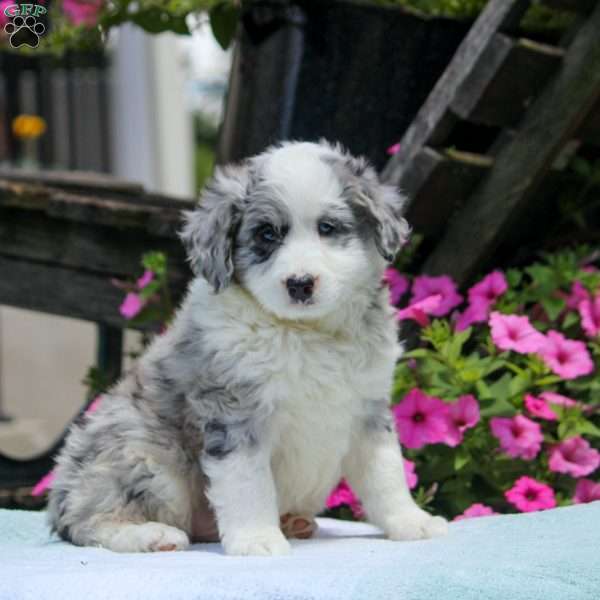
{"x":539,"y":97}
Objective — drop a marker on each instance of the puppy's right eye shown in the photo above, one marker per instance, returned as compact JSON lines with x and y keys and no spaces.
{"x":267,"y":234}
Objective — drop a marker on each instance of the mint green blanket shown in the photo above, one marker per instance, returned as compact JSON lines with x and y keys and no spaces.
{"x":554,"y":555}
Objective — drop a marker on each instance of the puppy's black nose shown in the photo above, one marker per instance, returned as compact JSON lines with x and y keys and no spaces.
{"x":300,"y":289}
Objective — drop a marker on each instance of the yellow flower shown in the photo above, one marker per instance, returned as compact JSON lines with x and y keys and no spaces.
{"x":28,"y":126}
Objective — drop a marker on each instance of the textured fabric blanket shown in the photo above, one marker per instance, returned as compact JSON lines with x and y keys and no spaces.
{"x":554,"y":555}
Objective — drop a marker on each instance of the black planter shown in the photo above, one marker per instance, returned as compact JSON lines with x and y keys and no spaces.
{"x":348,"y":72}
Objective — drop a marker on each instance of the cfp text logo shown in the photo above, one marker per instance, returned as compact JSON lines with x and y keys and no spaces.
{"x":24,"y":29}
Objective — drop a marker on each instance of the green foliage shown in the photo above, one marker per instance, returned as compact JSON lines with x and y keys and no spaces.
{"x":157,"y":16}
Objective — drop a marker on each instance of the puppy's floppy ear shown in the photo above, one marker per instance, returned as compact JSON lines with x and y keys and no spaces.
{"x":209,"y":231}
{"x":380,"y":206}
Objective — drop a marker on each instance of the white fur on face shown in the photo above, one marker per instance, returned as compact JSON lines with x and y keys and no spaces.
{"x":309,"y":191}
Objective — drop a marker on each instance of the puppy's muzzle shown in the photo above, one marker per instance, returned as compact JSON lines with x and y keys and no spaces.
{"x":300,"y":289}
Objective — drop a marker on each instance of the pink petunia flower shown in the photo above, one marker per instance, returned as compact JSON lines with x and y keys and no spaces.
{"x":145,"y":279}
{"x":462,"y":415}
{"x":489,"y":289}
{"x":476,"y":510}
{"x":397,"y":283}
{"x":425,"y":286}
{"x":586,"y":490}
{"x":519,"y":436}
{"x":567,"y":358}
{"x":344,"y":495}
{"x":529,"y":495}
{"x":578,"y":293}
{"x":418,"y":311}
{"x":558,"y":399}
{"x":420,"y":419}
{"x":511,"y":332}
{"x":82,"y":12}
{"x":393,"y":149}
{"x":412,"y":479}
{"x":131,"y":306}
{"x":478,"y":311}
{"x":589,"y":311}
{"x":44,"y":484}
{"x":574,"y":457}
{"x":539,"y":407}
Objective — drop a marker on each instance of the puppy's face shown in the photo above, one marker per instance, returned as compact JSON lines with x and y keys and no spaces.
{"x":303,"y":227}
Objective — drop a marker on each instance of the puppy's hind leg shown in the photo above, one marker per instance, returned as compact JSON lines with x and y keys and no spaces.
{"x":123,"y":536}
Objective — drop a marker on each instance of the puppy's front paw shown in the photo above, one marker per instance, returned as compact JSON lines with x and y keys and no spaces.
{"x":257,"y":542}
{"x":416,"y":524}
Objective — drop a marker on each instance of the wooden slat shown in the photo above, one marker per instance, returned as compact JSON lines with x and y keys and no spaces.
{"x":433,"y":122}
{"x":520,"y":166}
{"x":74,"y":180}
{"x":33,"y":235}
{"x":437,"y":184}
{"x":504,"y":81}
{"x":61,"y":291}
{"x":153,"y":215}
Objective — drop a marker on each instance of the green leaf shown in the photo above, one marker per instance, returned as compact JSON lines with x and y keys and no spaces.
{"x":457,"y":342}
{"x":519,"y":384}
{"x":501,"y":389}
{"x":553,"y":306}
{"x":585,"y":427}
{"x":496,"y":407}
{"x":548,"y":380}
{"x":155,"y":262}
{"x":514,"y":276}
{"x":461,"y":458}
{"x":483,"y":391}
{"x":155,"y":20}
{"x":223,"y":21}
{"x":417,"y":353}
{"x":571,"y":319}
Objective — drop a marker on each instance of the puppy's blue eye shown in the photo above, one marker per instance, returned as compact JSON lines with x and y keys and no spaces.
{"x":267,"y":234}
{"x":326,"y":228}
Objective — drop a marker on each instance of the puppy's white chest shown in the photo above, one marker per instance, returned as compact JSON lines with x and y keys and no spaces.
{"x":316,"y":397}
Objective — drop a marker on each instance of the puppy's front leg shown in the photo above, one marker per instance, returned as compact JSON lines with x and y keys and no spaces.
{"x":241,"y":490}
{"x":375,"y":470}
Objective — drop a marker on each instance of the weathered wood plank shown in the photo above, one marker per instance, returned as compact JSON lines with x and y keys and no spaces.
{"x":156,"y":217}
{"x":521,"y":165}
{"x":430,"y":126}
{"x":89,"y":181}
{"x":33,"y":235}
{"x":504,"y":81}
{"x":437,"y":184}
{"x":61,"y":291}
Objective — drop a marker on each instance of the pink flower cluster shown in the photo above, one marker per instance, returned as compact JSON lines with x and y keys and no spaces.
{"x":482,"y":297}
{"x":83,"y":12}
{"x":588,"y":306}
{"x":521,"y":437}
{"x":435,"y":296}
{"x":568,"y":359}
{"x":476,"y":510}
{"x":529,"y":495}
{"x":133,"y":303}
{"x":422,"y":419}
